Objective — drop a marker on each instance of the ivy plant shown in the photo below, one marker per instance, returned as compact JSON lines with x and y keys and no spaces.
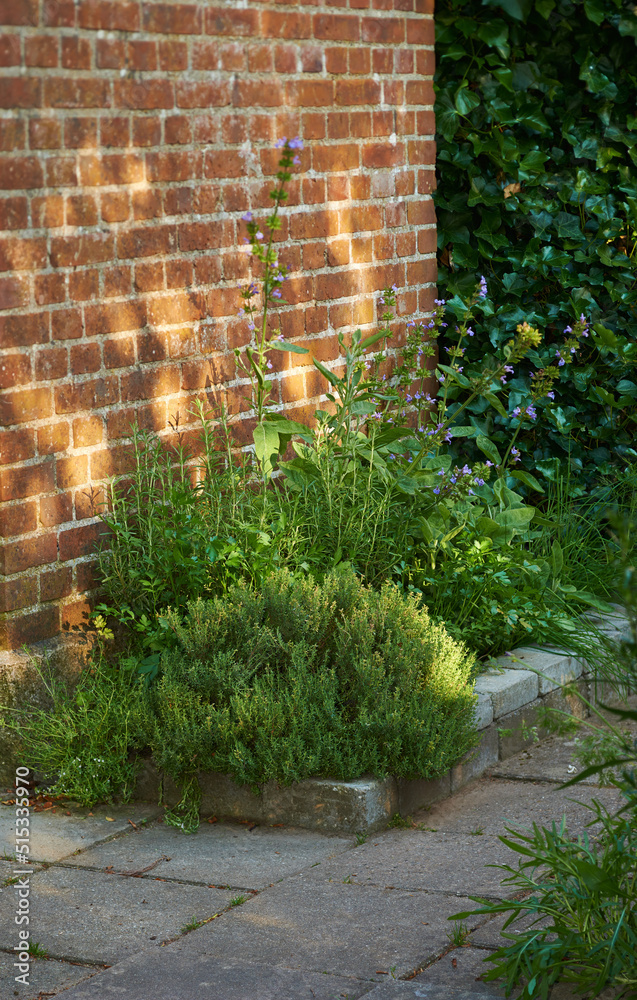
{"x":537,"y":190}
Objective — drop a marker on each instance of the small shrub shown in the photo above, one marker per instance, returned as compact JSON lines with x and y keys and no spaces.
{"x":307,"y":679}
{"x":84,"y":742}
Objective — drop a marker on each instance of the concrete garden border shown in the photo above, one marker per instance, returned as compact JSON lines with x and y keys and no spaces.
{"x":510,"y":693}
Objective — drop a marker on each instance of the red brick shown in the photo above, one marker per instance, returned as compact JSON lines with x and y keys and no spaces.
{"x":113,"y":461}
{"x":76,"y":53}
{"x":76,"y":251}
{"x":80,"y":133}
{"x":191,"y":94}
{"x":173,"y":56}
{"x":14,"y":293}
{"x":49,"y":288}
{"x":146,"y":242}
{"x":15,"y":369}
{"x":51,"y":363}
{"x":113,"y":15}
{"x":55,"y":583}
{"x":177,"y":130}
{"x":16,"y":445}
{"x":114,"y":206}
{"x":335,"y":27}
{"x":83,"y":285}
{"x":282,"y":24}
{"x":61,"y":170}
{"x":12,"y":134}
{"x":24,"y":405}
{"x":87,"y":576}
{"x":149,"y":277}
{"x":91,"y":92}
{"x":119,"y":353}
{"x":72,"y":471}
{"x":350,"y":92}
{"x":81,"y":210}
{"x":19,"y":331}
{"x":420,"y":31}
{"x":66,"y":324}
{"x":117,"y":281}
{"x":22,"y":254}
{"x":41,"y":51}
{"x":56,"y":510}
{"x":388,"y":30}
{"x":53,"y":438}
{"x":142,"y":55}
{"x":113,"y":317}
{"x":29,"y":628}
{"x":421,"y":212}
{"x":383,"y":155}
{"x":172,"y":18}
{"x":87,"y":431}
{"x":149,"y":383}
{"x":147,"y":204}
{"x":341,"y":157}
{"x":141,"y":94}
{"x":85,"y":358}
{"x":80,"y":541}
{"x":13,"y":213}
{"x":310,"y":93}
{"x":19,"y":12}
{"x":29,"y":481}
{"x":90,"y":395}
{"x":19,"y":593}
{"x":48,"y":212}
{"x":19,"y":92}
{"x":114,"y":131}
{"x":224,"y":21}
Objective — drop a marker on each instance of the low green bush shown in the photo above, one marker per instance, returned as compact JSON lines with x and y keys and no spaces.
{"x":295,"y":680}
{"x":304,"y":679}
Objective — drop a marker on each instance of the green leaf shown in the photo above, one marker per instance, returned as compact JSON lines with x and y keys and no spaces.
{"x":266,"y":446}
{"x":330,"y":376}
{"x":487,"y":446}
{"x":463,"y":431}
{"x":527,"y":479}
{"x":495,"y":403}
{"x":285,"y":345}
{"x":515,"y":517}
{"x":465,"y":100}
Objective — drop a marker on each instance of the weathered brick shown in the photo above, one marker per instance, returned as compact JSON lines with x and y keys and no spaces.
{"x":17,"y":631}
{"x":15,"y":557}
{"x":56,"y":510}
{"x":24,"y":405}
{"x":18,"y":519}
{"x":16,"y":445}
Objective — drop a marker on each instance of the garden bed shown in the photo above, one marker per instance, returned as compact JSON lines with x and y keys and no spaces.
{"x":511,"y":694}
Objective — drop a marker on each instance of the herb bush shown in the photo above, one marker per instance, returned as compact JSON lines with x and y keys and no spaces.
{"x":537,"y":189}
{"x":302,"y":679}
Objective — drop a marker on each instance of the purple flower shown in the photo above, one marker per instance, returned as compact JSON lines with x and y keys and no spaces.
{"x":440,"y":302}
{"x":394,"y":288}
{"x":280,"y":143}
{"x":251,"y":326}
{"x":516,"y":454}
{"x":296,"y":143}
{"x":276,"y":293}
{"x":509,"y":368}
{"x":436,"y":490}
{"x":551,"y":395}
{"x":269,"y":364}
{"x":448,"y":436}
{"x":470,"y":331}
{"x":247,"y":217}
{"x":410,"y":324}
{"x":489,"y":464}
{"x":441,"y":472}
{"x":441,"y":378}
{"x":259,"y":235}
{"x":568,"y":329}
{"x":531,"y":412}
{"x":482,"y":291}
{"x":503,"y":380}
{"x":297,"y":161}
{"x":517,"y":411}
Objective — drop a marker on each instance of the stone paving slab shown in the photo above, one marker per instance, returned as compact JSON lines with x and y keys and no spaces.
{"x":45,"y":977}
{"x":93,"y":917}
{"x":415,"y":860}
{"x":9,"y":868}
{"x":56,"y":835}
{"x":162,"y":976}
{"x":491,"y":805}
{"x":412,"y":990}
{"x":459,"y":971}
{"x":550,"y":760}
{"x":223,"y":854}
{"x":346,"y":930}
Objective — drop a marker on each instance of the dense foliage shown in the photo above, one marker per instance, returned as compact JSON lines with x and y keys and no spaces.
{"x":537,"y":190}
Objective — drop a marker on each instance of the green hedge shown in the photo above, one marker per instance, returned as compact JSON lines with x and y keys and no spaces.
{"x":537,"y":165}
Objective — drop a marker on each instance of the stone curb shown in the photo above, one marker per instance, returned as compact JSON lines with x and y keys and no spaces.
{"x":510,"y":694}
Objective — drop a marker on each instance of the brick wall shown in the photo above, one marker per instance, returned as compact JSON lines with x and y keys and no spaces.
{"x":134,"y":135}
